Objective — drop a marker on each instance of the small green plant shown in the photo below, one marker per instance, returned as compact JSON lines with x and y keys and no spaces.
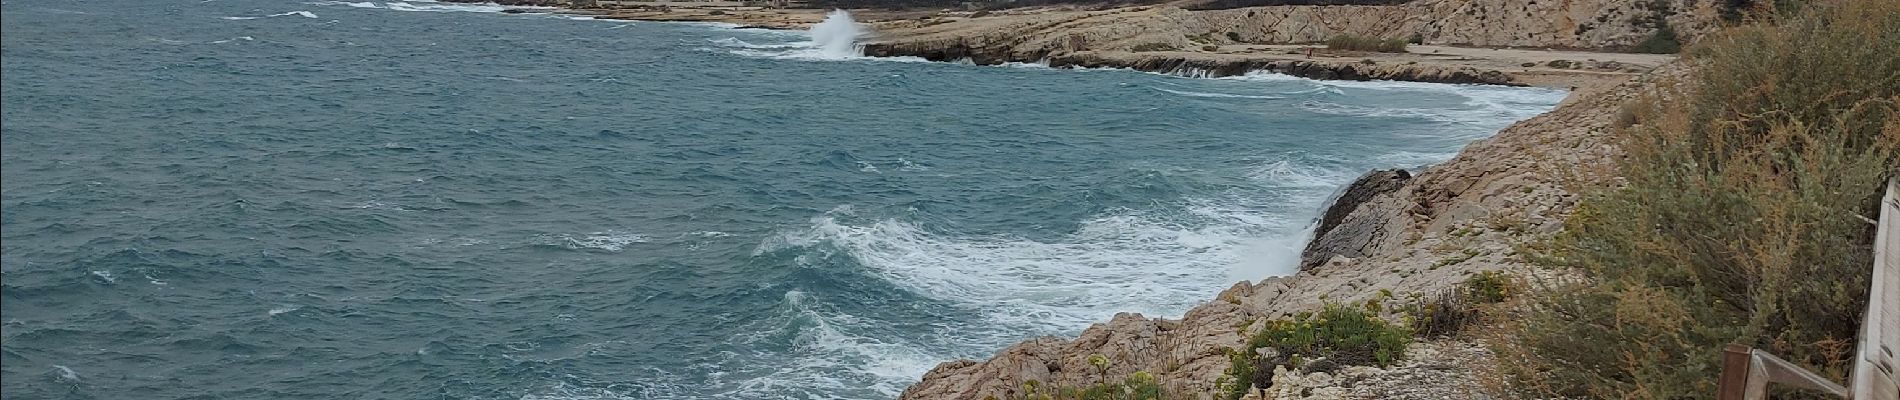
{"x":1366,"y":43}
{"x":1342,"y":334}
{"x":1100,"y":362}
{"x":1140,"y":385}
{"x":1486,"y":287}
{"x":1451,"y":310}
{"x":1463,"y":256}
{"x":1663,"y":41}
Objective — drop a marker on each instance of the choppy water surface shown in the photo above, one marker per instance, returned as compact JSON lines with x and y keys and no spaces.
{"x":317,"y":200}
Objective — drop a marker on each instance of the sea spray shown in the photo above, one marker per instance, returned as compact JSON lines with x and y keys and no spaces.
{"x":837,"y":36}
{"x":1049,"y":203}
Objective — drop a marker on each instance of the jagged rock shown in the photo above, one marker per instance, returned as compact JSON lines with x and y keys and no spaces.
{"x":1339,"y":235}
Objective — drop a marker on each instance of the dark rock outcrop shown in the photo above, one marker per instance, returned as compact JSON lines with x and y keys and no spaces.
{"x":1338,"y":233}
{"x":1188,"y":64}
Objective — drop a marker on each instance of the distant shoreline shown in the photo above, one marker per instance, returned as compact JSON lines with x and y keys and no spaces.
{"x":950,"y":36}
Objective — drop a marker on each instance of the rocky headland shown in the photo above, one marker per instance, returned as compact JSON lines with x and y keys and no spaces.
{"x":1390,"y":232}
{"x":1503,"y":42}
{"x":1395,"y":234}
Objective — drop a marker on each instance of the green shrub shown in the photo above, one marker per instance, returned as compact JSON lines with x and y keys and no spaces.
{"x":1345,"y":335}
{"x":1451,"y":310}
{"x":1663,"y":41}
{"x":1137,"y":386}
{"x":1366,"y":43}
{"x":1740,"y":219}
{"x":1486,"y":287}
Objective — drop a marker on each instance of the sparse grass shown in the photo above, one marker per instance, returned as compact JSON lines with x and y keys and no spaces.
{"x":1137,"y":386}
{"x":1366,"y":43}
{"x":1462,"y":256}
{"x":1741,"y":218}
{"x":1451,"y":310}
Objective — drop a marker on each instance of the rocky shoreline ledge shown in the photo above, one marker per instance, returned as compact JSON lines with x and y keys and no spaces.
{"x":1493,"y":42}
{"x":1396,"y":236}
{"x":1202,"y":66}
{"x":1392,"y":232}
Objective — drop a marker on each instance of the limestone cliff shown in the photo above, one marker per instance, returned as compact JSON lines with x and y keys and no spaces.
{"x":1449,"y":221}
{"x":1030,"y":36}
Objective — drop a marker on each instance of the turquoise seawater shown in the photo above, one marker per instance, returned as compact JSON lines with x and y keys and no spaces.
{"x":252,"y":199}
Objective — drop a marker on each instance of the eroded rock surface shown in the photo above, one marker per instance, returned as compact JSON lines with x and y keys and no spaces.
{"x":1338,"y":233}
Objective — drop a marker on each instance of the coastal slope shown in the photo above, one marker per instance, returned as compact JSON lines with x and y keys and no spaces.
{"x":1405,"y":235}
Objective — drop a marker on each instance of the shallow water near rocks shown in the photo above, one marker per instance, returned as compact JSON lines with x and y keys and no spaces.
{"x":316,"y":200}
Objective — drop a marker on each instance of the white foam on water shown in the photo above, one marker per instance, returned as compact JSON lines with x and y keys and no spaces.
{"x":243,"y":38}
{"x":735,"y":42}
{"x":1488,"y":103}
{"x":837,"y":36}
{"x":1283,"y":173}
{"x":444,"y":7}
{"x":1219,"y":95}
{"x":1119,"y":262}
{"x":433,"y":6}
{"x":305,"y":14}
{"x":66,"y":373}
{"x":610,"y":240}
{"x":832,"y":354}
{"x":105,"y":275}
{"x":283,"y":309}
{"x":1023,"y":65}
{"x":835,"y":39}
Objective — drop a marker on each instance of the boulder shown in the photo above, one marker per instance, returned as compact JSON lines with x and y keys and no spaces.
{"x":1340,"y":235}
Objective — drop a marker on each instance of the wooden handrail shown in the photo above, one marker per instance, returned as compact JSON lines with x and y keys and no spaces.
{"x":1747,"y":372}
{"x":1874,"y":367}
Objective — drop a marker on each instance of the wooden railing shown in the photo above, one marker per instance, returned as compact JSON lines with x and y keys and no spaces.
{"x":1747,"y":372}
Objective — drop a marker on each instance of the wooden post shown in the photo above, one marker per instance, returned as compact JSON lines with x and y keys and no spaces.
{"x":1734,"y":382}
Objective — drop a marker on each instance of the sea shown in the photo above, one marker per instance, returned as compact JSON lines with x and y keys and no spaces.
{"x":280,"y":199}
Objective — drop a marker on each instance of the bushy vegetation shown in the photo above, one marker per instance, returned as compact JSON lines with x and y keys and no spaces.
{"x":1663,"y":40}
{"x":1451,"y":310}
{"x":1366,"y":43}
{"x":1137,"y":386}
{"x":1743,"y":216}
{"x":1341,"y":334}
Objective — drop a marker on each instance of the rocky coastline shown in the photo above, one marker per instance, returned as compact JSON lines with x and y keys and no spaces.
{"x":1390,"y":232}
{"x":1199,"y":66}
{"x":1395,"y":233}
